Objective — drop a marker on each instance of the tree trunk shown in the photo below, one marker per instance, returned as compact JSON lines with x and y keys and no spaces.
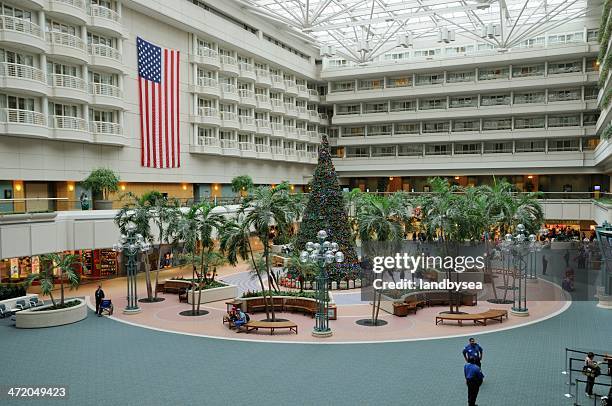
{"x":261,"y":282}
{"x":193,"y":278}
{"x":61,"y":287}
{"x":159,"y":260}
{"x":267,"y":259}
{"x":52,"y":300}
{"x":147,"y":276}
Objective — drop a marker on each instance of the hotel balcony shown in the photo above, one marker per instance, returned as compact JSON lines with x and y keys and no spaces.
{"x":69,"y":46}
{"x":247,"y":98}
{"x":24,"y":33}
{"x":262,"y":78}
{"x":229,"y":93}
{"x":108,"y":133}
{"x":247,"y":72}
{"x":22,"y":78}
{"x":68,"y":87}
{"x":263,"y":102}
{"x":277,"y":83}
{"x":23,"y":122}
{"x":207,"y":115}
{"x":106,"y":95}
{"x":106,"y":20}
{"x":74,"y":11}
{"x":206,"y":86}
{"x":206,"y":57}
{"x":69,"y":128}
{"x":105,"y":57}
{"x":229,"y":66}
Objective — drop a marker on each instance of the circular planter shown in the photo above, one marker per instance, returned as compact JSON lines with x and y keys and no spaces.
{"x":40,"y":318}
{"x":103,"y":205}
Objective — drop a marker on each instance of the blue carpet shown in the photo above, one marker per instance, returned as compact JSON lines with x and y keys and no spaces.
{"x":109,"y":363}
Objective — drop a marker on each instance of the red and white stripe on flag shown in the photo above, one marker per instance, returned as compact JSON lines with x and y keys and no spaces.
{"x":158,"y":85}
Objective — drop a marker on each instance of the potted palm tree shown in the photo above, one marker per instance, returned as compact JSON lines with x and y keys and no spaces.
{"x":241,"y":185}
{"x":102,"y":181}
{"x":62,"y":311}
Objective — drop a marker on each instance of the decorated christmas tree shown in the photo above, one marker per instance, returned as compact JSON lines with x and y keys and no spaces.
{"x":325,"y":211}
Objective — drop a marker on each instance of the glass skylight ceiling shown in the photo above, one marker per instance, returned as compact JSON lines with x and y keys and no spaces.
{"x":362,"y":30}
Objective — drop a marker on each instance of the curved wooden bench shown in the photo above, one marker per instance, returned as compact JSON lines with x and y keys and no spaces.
{"x":271,"y":325}
{"x":477,"y":318}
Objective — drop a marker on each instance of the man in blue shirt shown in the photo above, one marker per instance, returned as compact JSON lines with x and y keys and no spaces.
{"x":474,"y":351}
{"x":473,"y":380}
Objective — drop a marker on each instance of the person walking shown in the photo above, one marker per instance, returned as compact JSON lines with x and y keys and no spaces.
{"x":473,"y":380}
{"x":473,"y":351}
{"x":99,"y":296}
{"x":544,"y":264}
{"x":566,"y":257}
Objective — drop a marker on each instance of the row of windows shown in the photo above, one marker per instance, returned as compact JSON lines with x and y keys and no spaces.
{"x":483,"y":74}
{"x":475,"y":148}
{"x":531,"y":97}
{"x":486,"y":124}
{"x":56,"y":108}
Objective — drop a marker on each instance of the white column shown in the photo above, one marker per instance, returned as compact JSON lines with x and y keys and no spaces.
{"x":45,"y":109}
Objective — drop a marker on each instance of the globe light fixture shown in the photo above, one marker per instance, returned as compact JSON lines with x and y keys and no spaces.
{"x":322,"y":253}
{"x":131,"y":244}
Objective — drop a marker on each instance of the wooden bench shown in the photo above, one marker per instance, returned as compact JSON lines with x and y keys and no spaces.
{"x":175,"y":285}
{"x":259,"y":304}
{"x":271,"y":325}
{"x":477,"y":318}
{"x":305,"y":306}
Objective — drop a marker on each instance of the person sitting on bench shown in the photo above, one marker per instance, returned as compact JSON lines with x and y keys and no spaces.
{"x":241,"y":320}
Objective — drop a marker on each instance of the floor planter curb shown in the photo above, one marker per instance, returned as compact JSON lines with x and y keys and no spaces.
{"x":214,"y":294}
{"x":40,"y":318}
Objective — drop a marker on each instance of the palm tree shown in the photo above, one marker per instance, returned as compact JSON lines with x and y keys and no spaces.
{"x":185,"y":227}
{"x":163,"y":213}
{"x":382,"y":219}
{"x":139,"y":212}
{"x":207,"y":223}
{"x":65,"y":264}
{"x":264,"y":207}
{"x":235,"y":243}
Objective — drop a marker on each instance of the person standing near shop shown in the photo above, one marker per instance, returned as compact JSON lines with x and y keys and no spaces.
{"x":99,"y":296}
{"x":473,"y":351}
{"x":473,"y":380}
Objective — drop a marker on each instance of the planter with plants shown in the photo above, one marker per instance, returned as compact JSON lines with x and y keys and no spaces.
{"x":51,"y":315}
{"x":241,"y":185}
{"x":58,"y":312}
{"x":102,"y":182}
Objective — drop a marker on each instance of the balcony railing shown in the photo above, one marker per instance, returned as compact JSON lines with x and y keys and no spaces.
{"x":104,"y":51}
{"x":262,"y":73}
{"x":67,"y":81}
{"x":209,"y":141}
{"x":16,"y":70}
{"x":75,"y":3}
{"x":103,"y":12}
{"x":246,"y":67}
{"x":10,"y":23}
{"x":229,"y":116}
{"x":290,"y":130}
{"x":276,"y":103}
{"x":208,"y":112}
{"x":68,"y":123}
{"x":229,"y":88}
{"x":105,"y":127}
{"x":22,"y":117}
{"x":277,"y":79}
{"x":313,"y":92}
{"x":64,"y":39}
{"x":262,"y":123}
{"x":262,"y":98}
{"x":228,"y":60}
{"x":246,"y":120}
{"x":262,"y":148}
{"x":207,"y":52}
{"x":276,"y":150}
{"x":302,"y":88}
{"x":290,"y":151}
{"x":207,"y":82}
{"x":246,"y":146}
{"x":229,"y":144}
{"x":103,"y":89}
{"x":246,"y":94}
{"x":276,"y":127}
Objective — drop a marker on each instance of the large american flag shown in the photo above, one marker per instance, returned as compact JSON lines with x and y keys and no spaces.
{"x":158,"y":85}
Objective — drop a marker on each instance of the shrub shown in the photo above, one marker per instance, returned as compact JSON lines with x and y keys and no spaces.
{"x":12,"y":290}
{"x":102,"y":180}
